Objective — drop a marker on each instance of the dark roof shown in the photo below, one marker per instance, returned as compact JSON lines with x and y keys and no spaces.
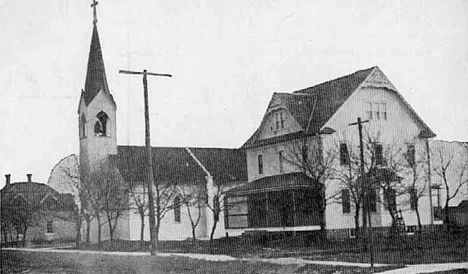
{"x":314,"y":106}
{"x":331,"y":95}
{"x":176,"y":164}
{"x":273,"y":183}
{"x":96,"y":73}
{"x":34,"y":193}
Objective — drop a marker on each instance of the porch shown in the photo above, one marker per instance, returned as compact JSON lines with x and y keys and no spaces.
{"x":283,"y":202}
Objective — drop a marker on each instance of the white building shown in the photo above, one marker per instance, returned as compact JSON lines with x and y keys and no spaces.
{"x":263,"y":186}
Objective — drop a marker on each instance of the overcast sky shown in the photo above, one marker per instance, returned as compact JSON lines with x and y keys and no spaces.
{"x":227,"y":58}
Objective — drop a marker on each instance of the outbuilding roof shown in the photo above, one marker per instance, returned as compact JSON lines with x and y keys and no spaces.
{"x":35,"y":193}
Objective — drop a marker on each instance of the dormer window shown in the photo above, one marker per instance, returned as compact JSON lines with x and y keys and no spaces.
{"x":279,"y":120}
{"x":100,"y":127}
{"x":82,"y":126}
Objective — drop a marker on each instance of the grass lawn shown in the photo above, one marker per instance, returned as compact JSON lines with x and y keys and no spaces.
{"x":440,"y":248}
{"x":55,"y":263}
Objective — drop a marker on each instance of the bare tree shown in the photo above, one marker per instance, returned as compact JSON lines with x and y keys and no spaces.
{"x":138,"y":194}
{"x":164,"y":196}
{"x":107,"y":195}
{"x":453,"y":175}
{"x":415,"y":187}
{"x":65,"y":178}
{"x":308,"y":157}
{"x":192,"y":198}
{"x":348,"y":176}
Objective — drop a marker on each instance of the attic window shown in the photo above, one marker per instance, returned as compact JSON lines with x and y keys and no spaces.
{"x":376,"y":111}
{"x":279,"y":119}
{"x":100,"y":127}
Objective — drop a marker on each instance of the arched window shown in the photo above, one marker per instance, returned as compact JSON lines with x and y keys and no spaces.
{"x":83,"y":126}
{"x":177,"y":209}
{"x":100,"y":127}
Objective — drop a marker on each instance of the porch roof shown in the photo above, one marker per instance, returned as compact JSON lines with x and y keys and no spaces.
{"x":273,"y":183}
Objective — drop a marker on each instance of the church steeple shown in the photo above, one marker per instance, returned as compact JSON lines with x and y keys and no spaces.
{"x":96,"y":79}
{"x":96,"y":74}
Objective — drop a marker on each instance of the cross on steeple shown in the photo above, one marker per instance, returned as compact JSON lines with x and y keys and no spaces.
{"x":93,"y":5}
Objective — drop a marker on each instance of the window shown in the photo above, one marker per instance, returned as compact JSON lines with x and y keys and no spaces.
{"x":411,"y":154}
{"x":177,"y":209}
{"x":50,"y":226}
{"x":279,"y":119}
{"x":282,"y":119}
{"x":83,"y":126}
{"x":376,"y":111}
{"x":379,"y":155}
{"x":372,"y":200}
{"x":369,"y":111}
{"x":280,"y":159}
{"x":345,"y":201}
{"x":236,"y":209}
{"x":260,"y":164}
{"x":100,"y":127}
{"x":383,"y":110}
{"x":344,"y":154}
{"x":352,"y":233}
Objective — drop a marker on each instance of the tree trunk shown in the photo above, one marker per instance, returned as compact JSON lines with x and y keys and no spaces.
{"x":111,"y":228}
{"x":213,"y":229}
{"x":323,"y":232}
{"x":24,"y":235}
{"x":142,"y":230}
{"x":356,"y":222}
{"x":447,"y":216}
{"x":99,"y":230}
{"x":419,"y":218}
{"x":88,"y":230}
{"x":5,"y":236}
{"x":78,"y":231}
{"x":194,"y":237}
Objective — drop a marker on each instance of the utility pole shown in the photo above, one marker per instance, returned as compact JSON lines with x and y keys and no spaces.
{"x":149,"y":158}
{"x":366,"y":184}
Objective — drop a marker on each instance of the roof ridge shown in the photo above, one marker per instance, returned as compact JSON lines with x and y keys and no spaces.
{"x":341,"y":77}
{"x":181,"y":147}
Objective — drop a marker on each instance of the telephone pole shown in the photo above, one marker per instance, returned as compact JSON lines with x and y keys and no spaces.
{"x":149,"y":158}
{"x":365,"y":182}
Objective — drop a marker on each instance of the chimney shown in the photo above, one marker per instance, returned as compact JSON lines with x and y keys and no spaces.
{"x":29,"y":178}
{"x":7,"y":178}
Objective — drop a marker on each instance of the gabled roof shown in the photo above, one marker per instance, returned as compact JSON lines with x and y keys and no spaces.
{"x":314,"y":106}
{"x":176,"y":164}
{"x":96,"y":74}
{"x":34,"y":193}
{"x":331,"y":95}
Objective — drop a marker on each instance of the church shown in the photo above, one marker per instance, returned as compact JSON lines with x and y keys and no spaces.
{"x":262,"y":186}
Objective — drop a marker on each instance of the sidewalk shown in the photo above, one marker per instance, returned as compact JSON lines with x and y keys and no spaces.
{"x":427,"y":268}
{"x":410,"y":269}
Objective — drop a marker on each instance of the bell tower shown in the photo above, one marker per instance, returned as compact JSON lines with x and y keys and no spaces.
{"x":97,"y":109}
